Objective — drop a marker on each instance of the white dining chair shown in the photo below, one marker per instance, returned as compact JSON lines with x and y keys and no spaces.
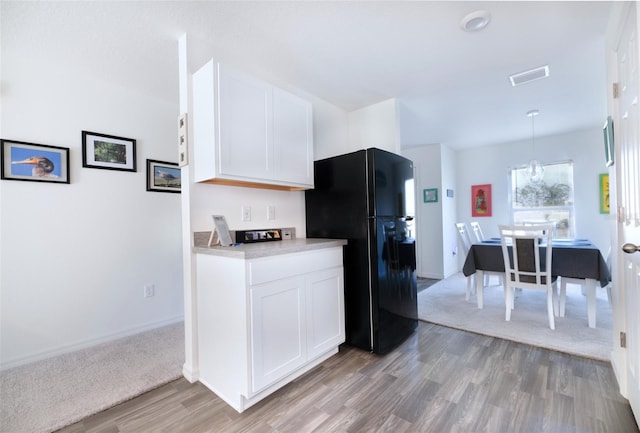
{"x":525,"y":269}
{"x":541,"y":222}
{"x":465,"y":242}
{"x":479,"y":236}
{"x":477,"y":231}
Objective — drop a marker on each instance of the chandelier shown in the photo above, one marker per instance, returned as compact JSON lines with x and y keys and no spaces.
{"x":535,"y":171}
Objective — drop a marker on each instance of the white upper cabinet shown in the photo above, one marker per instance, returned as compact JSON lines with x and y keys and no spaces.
{"x":248,"y":132}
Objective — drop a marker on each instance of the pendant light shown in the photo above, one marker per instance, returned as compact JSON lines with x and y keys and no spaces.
{"x":535,"y":171}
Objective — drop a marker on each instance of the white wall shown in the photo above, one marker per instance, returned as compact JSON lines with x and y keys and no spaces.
{"x":450,"y":246}
{"x":436,"y":247}
{"x":374,"y":126}
{"x":491,"y":165}
{"x":429,"y":241}
{"x":75,"y":257}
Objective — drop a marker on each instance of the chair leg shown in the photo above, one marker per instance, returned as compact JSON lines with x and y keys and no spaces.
{"x":550,"y":309}
{"x":563,"y":296}
{"x":508,"y":302}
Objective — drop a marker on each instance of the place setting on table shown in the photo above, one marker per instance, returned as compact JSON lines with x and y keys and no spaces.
{"x":577,"y":260}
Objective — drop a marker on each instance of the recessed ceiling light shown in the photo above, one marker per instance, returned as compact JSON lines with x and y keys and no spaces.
{"x":529,"y":76}
{"x":475,"y":21}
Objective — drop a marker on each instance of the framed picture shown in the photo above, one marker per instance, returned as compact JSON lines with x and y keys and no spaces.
{"x":450,"y":193}
{"x":604,"y":193}
{"x":430,"y":195}
{"x":220,"y":234}
{"x":481,"y":200}
{"x":34,"y":162}
{"x":163,"y":176}
{"x":108,"y":152}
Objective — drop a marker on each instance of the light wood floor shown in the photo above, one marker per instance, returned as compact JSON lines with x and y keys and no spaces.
{"x":440,"y":380}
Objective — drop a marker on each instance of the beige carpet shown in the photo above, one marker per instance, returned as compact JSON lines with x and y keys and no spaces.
{"x":444,"y":304}
{"x":47,"y":395}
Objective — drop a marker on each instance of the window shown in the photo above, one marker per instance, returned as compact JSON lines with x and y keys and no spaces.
{"x":547,"y":200}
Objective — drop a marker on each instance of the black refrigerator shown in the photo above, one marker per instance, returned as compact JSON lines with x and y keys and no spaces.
{"x":366,"y":197}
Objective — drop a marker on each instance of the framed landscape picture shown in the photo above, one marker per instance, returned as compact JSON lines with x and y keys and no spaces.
{"x":163,"y":176}
{"x":108,"y":152}
{"x":34,"y":162}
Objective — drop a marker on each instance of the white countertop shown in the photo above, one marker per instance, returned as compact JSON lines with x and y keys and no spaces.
{"x":266,"y":249}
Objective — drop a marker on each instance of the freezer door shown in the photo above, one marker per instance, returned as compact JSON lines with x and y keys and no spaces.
{"x":391,"y":184}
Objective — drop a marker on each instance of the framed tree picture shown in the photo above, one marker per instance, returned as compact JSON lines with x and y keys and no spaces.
{"x":481,"y":200}
{"x":108,"y":152}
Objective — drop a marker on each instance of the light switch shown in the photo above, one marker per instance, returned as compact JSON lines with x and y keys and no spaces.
{"x":246,"y":213}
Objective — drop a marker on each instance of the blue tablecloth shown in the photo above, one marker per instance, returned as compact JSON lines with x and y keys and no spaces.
{"x":573,"y":258}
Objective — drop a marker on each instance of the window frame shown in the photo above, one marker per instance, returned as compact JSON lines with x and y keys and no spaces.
{"x":570,"y":208}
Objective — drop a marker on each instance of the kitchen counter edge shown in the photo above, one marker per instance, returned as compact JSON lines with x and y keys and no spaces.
{"x":267,"y":249}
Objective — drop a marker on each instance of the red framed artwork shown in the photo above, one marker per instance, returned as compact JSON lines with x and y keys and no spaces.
{"x":481,"y":200}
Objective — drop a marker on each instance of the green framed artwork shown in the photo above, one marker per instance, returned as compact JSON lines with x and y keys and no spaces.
{"x":603,"y":187}
{"x":430,"y":195}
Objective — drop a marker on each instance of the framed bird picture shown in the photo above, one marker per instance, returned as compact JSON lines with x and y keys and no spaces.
{"x":34,"y":162}
{"x":163,"y":176}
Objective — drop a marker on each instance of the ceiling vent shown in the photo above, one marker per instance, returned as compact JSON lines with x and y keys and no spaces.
{"x":529,"y":76}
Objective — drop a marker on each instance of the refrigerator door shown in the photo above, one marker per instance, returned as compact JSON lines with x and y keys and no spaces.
{"x":394,"y":295}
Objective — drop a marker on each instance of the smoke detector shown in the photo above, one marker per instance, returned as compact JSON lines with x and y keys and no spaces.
{"x":529,"y":76}
{"x":475,"y":21}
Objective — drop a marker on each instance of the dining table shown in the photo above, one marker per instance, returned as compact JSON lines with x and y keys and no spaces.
{"x":571,"y":258}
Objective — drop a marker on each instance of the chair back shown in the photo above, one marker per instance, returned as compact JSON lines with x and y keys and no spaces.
{"x":523,"y":266}
{"x":541,"y":222}
{"x":477,"y":231}
{"x":463,"y":235}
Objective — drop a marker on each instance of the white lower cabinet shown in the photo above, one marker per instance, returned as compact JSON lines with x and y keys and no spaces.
{"x":263,"y":322}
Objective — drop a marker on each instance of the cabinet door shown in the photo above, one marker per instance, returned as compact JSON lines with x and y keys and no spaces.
{"x":278,"y":330}
{"x":244,"y":135}
{"x":325,"y":311}
{"x":292,"y":138}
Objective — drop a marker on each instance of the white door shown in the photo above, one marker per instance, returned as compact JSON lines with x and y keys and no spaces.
{"x":627,"y":139}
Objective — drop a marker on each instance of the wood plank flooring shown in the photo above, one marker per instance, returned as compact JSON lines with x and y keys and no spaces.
{"x":439,"y":380}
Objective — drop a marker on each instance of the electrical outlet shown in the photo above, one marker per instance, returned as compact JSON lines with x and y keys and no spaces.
{"x":149,"y":290}
{"x":246,"y":213}
{"x":271,"y":213}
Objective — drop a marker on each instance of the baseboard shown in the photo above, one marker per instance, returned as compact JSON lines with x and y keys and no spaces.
{"x":16,"y":362}
{"x":189,"y":373}
{"x":619,"y":365}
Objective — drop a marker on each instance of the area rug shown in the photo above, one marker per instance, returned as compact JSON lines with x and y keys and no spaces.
{"x":47,"y":395}
{"x":444,"y":304}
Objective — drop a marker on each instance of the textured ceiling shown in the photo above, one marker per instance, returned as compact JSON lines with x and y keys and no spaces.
{"x":452,"y":86}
